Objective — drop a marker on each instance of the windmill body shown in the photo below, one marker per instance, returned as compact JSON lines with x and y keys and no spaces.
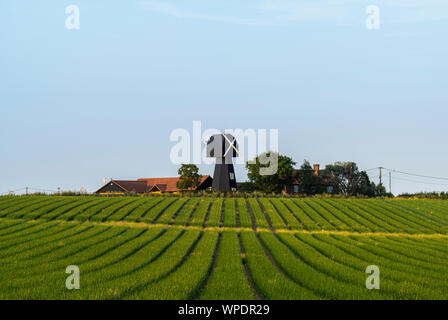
{"x":223,"y":147}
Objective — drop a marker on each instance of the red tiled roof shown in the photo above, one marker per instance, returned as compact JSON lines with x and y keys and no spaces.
{"x":132,"y":185}
{"x":165,"y":184}
{"x":161,"y":187}
{"x":145,"y":185}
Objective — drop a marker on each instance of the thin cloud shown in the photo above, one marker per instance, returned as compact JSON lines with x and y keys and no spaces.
{"x":280,"y":12}
{"x":175,"y":11}
{"x":397,"y":11}
{"x":303,"y":11}
{"x":262,"y":13}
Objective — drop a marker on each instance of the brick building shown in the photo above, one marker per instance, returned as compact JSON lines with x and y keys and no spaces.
{"x":323,"y":183}
{"x":149,"y":185}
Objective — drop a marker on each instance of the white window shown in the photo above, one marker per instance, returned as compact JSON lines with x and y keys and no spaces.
{"x":232,"y":176}
{"x":330,"y":189}
{"x":296,"y":188}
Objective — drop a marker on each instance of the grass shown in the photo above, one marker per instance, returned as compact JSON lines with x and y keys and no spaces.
{"x":215,"y":248}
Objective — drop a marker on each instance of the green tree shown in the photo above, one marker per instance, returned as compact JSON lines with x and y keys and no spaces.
{"x":275,"y":182}
{"x":380,"y":190}
{"x":364,"y":186}
{"x":189,"y":177}
{"x":349,"y":180}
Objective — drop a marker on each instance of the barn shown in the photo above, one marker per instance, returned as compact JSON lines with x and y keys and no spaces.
{"x":149,"y":185}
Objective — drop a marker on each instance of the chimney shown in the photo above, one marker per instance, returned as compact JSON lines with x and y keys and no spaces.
{"x":316,"y":169}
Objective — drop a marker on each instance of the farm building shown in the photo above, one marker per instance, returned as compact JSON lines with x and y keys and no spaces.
{"x":322,"y":183}
{"x":149,"y":185}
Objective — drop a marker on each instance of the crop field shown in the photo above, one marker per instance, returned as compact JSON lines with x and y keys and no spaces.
{"x":222,"y":248}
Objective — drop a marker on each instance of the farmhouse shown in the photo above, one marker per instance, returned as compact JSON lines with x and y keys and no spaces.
{"x":149,"y":185}
{"x":322,"y":183}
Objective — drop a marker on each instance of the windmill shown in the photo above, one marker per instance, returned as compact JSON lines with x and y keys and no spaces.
{"x":223,"y":147}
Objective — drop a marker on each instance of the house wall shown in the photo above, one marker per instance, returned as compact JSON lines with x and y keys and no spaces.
{"x":206,"y":184}
{"x":319,"y":188}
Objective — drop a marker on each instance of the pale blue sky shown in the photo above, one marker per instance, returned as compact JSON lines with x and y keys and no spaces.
{"x":80,"y":105}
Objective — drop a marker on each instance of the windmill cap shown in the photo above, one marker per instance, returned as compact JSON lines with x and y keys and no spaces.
{"x":222,"y":146}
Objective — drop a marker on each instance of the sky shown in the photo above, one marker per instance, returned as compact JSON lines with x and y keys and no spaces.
{"x":81,"y":105}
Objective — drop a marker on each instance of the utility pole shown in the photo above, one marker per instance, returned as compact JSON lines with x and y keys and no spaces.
{"x":26,"y":191}
{"x":390,"y":182}
{"x":380,"y":173}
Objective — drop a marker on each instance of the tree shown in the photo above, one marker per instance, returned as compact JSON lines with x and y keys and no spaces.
{"x":343,"y":175}
{"x":189,"y":177}
{"x":275,"y":182}
{"x":349,"y":180}
{"x":380,"y":190}
{"x":364,"y":186}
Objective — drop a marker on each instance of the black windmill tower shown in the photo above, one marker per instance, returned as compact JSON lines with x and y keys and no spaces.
{"x":223,"y":147}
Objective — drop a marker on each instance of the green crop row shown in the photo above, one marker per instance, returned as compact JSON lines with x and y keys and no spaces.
{"x":269,"y":282}
{"x":243,"y":213}
{"x":229,"y":213}
{"x":170,"y":212}
{"x":185,"y":214}
{"x":321,"y":284}
{"x":291,"y":220}
{"x":257,"y":213}
{"x":214,"y":217}
{"x":413,"y":282}
{"x":227,"y":280}
{"x":158,"y":210}
{"x":140,"y":263}
{"x":41,"y":236}
{"x":142,"y":210}
{"x":361,"y":215}
{"x":201,"y":212}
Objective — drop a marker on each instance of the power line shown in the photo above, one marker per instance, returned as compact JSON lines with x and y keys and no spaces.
{"x":9,"y":191}
{"x":423,"y":182}
{"x":408,"y":173}
{"x":408,"y":180}
{"x":28,"y":188}
{"x":40,"y":189}
{"x":416,"y":175}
